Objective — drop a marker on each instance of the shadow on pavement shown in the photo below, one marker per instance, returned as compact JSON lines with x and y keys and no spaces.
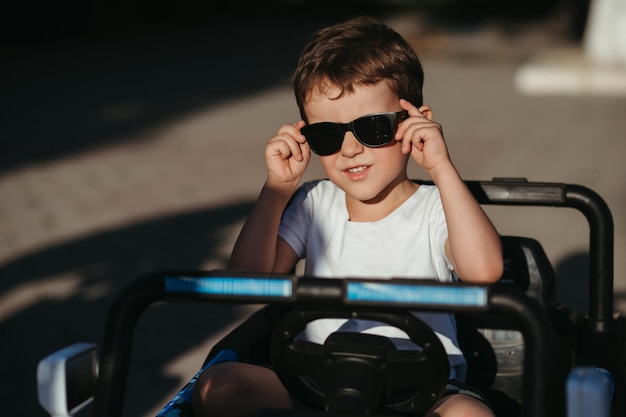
{"x":61,"y":295}
{"x":74,"y":95}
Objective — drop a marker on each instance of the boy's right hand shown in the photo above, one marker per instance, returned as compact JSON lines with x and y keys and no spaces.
{"x":287,"y":156}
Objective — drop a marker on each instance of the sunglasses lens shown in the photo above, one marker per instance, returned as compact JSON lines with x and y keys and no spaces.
{"x":376,"y":130}
{"x":323,"y":138}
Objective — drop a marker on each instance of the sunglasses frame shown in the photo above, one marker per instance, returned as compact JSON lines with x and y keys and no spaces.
{"x":394,"y":117}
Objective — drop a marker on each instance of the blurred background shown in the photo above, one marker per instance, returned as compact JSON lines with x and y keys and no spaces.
{"x":132,"y":136}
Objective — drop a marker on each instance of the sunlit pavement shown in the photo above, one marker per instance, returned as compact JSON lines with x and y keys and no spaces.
{"x":75,"y":228}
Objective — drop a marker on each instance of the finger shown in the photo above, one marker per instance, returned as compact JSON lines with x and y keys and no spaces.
{"x":278,"y":147}
{"x":412,"y":138}
{"x":415,"y":115}
{"x":293,"y":130}
{"x":408,"y":106}
{"x":299,"y":125}
{"x":305,"y":148}
{"x":300,"y":137}
{"x":406,"y":133}
{"x":294,"y":149}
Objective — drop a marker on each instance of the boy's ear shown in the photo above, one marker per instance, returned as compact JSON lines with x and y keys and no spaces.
{"x":426,"y":111}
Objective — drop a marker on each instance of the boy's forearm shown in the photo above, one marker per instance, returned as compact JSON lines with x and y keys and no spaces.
{"x":255,"y":248}
{"x":473,"y":242}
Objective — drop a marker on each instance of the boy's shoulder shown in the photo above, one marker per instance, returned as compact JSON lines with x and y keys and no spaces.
{"x":316,"y":192}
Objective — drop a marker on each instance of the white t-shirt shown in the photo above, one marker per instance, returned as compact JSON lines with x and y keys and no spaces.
{"x":408,"y":243}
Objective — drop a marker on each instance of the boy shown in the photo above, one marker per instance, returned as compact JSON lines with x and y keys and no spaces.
{"x":359,"y":89}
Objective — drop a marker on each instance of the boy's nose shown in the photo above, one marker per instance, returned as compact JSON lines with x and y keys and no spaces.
{"x":350,"y":146}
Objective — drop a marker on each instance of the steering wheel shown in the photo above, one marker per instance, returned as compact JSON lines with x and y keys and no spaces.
{"x":357,"y":372}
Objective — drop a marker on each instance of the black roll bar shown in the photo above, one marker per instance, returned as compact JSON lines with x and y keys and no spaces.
{"x":117,"y":342}
{"x":601,"y":327}
{"x":520,"y":192}
{"x":601,"y":240}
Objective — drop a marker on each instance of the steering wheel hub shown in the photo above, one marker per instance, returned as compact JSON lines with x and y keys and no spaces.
{"x":357,"y":372}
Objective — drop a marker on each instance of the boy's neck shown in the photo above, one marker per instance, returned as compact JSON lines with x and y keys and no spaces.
{"x":383,"y":205}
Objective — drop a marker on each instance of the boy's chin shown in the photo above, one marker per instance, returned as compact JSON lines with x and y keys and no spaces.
{"x":366,"y":194}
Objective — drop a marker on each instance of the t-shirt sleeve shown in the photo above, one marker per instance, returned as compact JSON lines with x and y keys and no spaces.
{"x":296,"y":219}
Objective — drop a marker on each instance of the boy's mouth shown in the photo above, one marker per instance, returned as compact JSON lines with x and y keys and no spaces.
{"x":356,"y":170}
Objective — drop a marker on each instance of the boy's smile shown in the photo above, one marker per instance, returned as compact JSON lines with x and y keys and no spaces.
{"x":374,"y":179}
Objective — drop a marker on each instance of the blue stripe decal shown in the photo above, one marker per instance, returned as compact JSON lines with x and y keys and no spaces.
{"x":231,"y":286}
{"x":435,"y":295}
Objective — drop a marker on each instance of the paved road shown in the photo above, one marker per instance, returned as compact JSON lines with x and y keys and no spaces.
{"x":124,"y":156}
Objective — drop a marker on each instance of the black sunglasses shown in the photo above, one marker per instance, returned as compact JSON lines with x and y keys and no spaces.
{"x":373,"y":130}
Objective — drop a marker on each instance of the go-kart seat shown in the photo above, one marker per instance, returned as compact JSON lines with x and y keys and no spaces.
{"x":494,"y":351}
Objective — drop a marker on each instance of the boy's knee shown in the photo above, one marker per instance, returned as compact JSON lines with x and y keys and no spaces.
{"x":220,"y":389}
{"x":202,"y":386}
{"x":217,"y":383}
{"x":459,"y":405}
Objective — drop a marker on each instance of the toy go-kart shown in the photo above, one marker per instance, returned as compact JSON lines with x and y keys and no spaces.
{"x":528,"y":352}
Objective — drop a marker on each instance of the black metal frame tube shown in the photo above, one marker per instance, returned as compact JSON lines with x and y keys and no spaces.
{"x":601,"y":241}
{"x":519,"y":192}
{"x":129,"y":305}
{"x":535,"y":326}
{"x":117,"y":342}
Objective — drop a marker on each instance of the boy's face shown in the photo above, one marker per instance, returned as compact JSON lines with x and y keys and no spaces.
{"x":364,"y":173}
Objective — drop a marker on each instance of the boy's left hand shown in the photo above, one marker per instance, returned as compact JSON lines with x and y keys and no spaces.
{"x":422,"y":137}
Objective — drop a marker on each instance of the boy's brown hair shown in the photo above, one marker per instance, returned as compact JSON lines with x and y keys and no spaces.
{"x":360,"y":51}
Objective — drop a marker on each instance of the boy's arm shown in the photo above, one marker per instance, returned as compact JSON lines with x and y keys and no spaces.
{"x":258,"y":247}
{"x":473,"y":245}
